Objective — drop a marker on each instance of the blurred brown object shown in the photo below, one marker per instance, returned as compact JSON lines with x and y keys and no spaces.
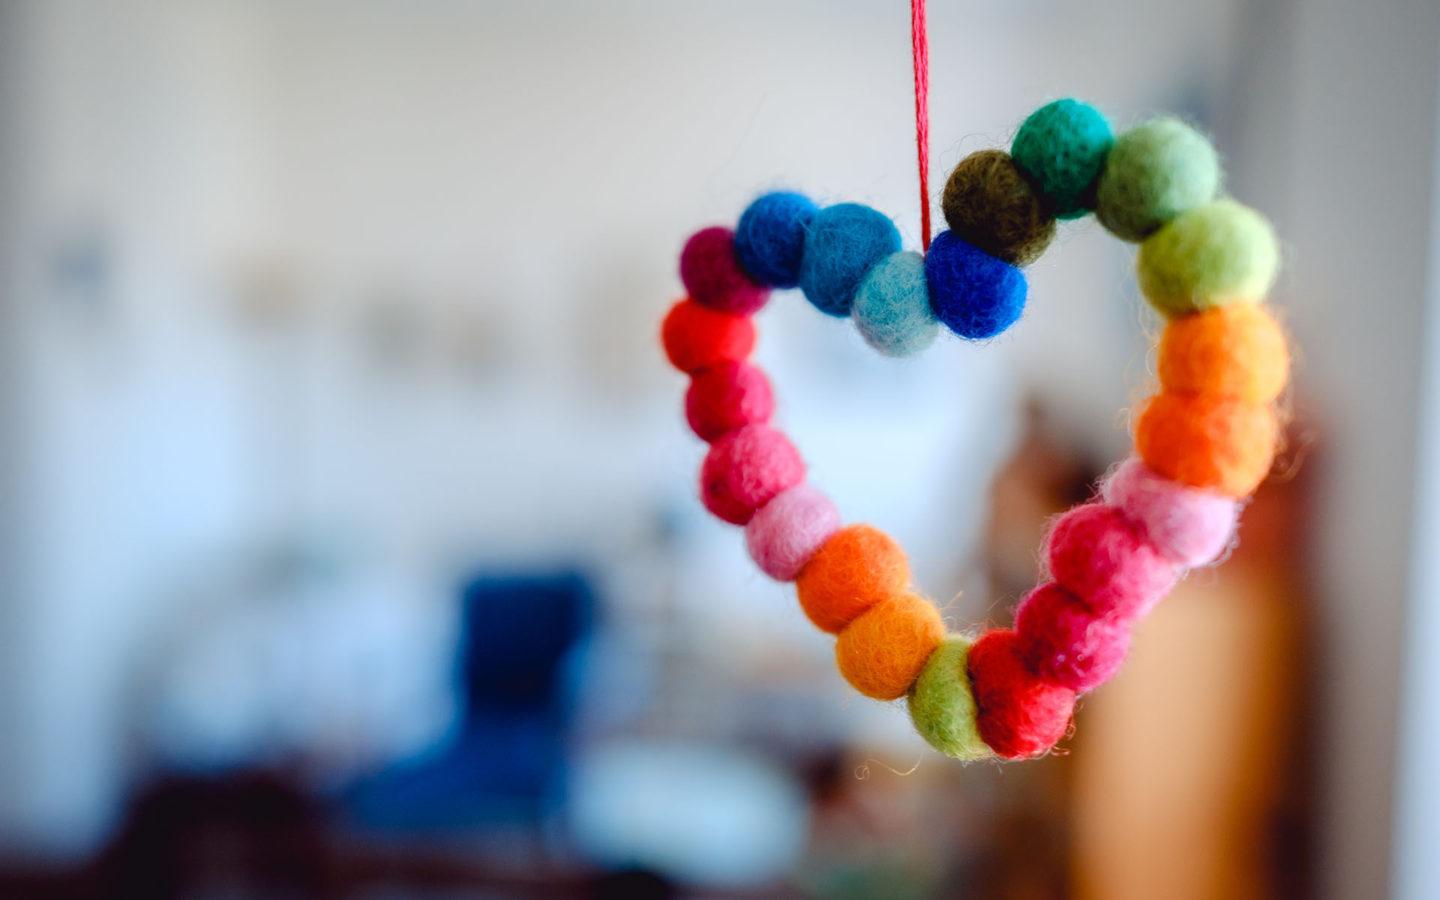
{"x":1189,"y":769}
{"x":1025,"y":847}
{"x":1187,"y":775}
{"x":1045,"y":476}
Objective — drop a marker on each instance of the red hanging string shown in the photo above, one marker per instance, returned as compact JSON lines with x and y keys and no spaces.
{"x":920,"y":54}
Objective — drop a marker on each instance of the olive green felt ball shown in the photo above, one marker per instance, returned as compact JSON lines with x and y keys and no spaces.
{"x":990,"y":203}
{"x":1154,"y":173}
{"x":1062,"y":146}
{"x":1220,"y":253}
{"x":941,"y":705}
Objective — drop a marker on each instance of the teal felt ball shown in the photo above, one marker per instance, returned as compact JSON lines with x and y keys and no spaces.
{"x":1062,"y":146}
{"x":1154,"y":173}
{"x":892,"y":307}
{"x":843,"y":242}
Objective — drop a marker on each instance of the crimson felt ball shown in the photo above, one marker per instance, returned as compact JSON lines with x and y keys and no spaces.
{"x":745,"y":469}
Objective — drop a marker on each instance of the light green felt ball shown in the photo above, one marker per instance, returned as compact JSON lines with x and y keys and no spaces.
{"x":1220,"y":253}
{"x":892,"y":307}
{"x":1154,"y":173}
{"x":941,"y":705}
{"x":1062,"y":146}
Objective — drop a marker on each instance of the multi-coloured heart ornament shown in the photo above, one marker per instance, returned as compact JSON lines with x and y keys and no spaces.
{"x":1203,"y":442}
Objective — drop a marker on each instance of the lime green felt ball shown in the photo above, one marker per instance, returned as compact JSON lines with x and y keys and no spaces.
{"x":1220,"y":253}
{"x":941,"y":705}
{"x":1154,"y":173}
{"x":1062,"y":147}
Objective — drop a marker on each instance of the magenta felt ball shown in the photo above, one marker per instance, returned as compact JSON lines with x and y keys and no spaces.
{"x":787,"y":531}
{"x":1104,"y":559}
{"x":713,"y":275}
{"x":1064,"y":641}
{"x":1189,"y":526}
{"x":745,"y":469}
{"x":727,"y":396}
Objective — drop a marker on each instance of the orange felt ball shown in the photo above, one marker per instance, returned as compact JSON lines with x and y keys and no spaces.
{"x":882,"y":652}
{"x":1208,"y":442}
{"x":1232,"y":351}
{"x":856,"y":567}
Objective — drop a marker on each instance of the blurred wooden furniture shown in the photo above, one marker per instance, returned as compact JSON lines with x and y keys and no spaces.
{"x":1189,"y":773}
{"x":1189,"y":769}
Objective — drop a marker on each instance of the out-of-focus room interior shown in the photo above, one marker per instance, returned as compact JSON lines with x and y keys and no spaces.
{"x":349,"y":541}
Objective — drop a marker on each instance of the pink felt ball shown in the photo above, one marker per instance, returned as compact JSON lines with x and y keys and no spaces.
{"x":726,"y":396}
{"x":713,"y":276}
{"x":1105,"y":560}
{"x":787,"y":531}
{"x":1064,"y":641}
{"x":745,"y":469}
{"x":1189,"y":526}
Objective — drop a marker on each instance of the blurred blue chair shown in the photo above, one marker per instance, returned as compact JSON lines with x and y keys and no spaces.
{"x":504,"y":764}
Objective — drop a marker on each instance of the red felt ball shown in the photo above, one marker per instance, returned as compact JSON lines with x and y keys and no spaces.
{"x":1104,"y":559}
{"x":695,"y":336}
{"x":1018,"y":713}
{"x":745,"y":469}
{"x":713,"y":275}
{"x":725,"y":396}
{"x":1064,"y":641}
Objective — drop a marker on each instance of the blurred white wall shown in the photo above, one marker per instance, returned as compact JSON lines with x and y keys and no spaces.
{"x":394,"y":270}
{"x":1339,"y":119}
{"x":1417,"y":779}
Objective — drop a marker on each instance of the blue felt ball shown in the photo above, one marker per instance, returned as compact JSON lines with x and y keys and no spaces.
{"x":843,"y":242}
{"x":892,"y":307}
{"x":973,"y":293}
{"x":770,"y":239}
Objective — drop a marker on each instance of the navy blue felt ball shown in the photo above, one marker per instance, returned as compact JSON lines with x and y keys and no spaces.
{"x":843,"y":242}
{"x":973,"y":293}
{"x":770,"y":239}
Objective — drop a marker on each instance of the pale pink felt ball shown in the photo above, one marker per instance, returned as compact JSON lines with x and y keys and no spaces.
{"x":1189,"y":526}
{"x":786,"y":532}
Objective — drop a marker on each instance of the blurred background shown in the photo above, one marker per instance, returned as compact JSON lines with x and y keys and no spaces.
{"x":348,"y":536}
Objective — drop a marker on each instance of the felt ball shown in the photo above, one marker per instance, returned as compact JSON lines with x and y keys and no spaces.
{"x":713,"y":275}
{"x":1213,"y":255}
{"x":1208,"y":442}
{"x":941,"y":705}
{"x":856,"y":567}
{"x":1062,"y":146}
{"x":843,"y":242}
{"x":976,"y":295}
{"x":785,"y":533}
{"x":1235,"y":351}
{"x":745,"y":469}
{"x":1019,"y":714}
{"x":1190,"y":527}
{"x":725,"y":396}
{"x":892,"y":306}
{"x":990,"y":203}
{"x":1154,"y":173}
{"x":770,"y":237}
{"x":882,"y":652}
{"x":695,"y":336}
{"x":1063,"y":640}
{"x":1103,"y":558}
